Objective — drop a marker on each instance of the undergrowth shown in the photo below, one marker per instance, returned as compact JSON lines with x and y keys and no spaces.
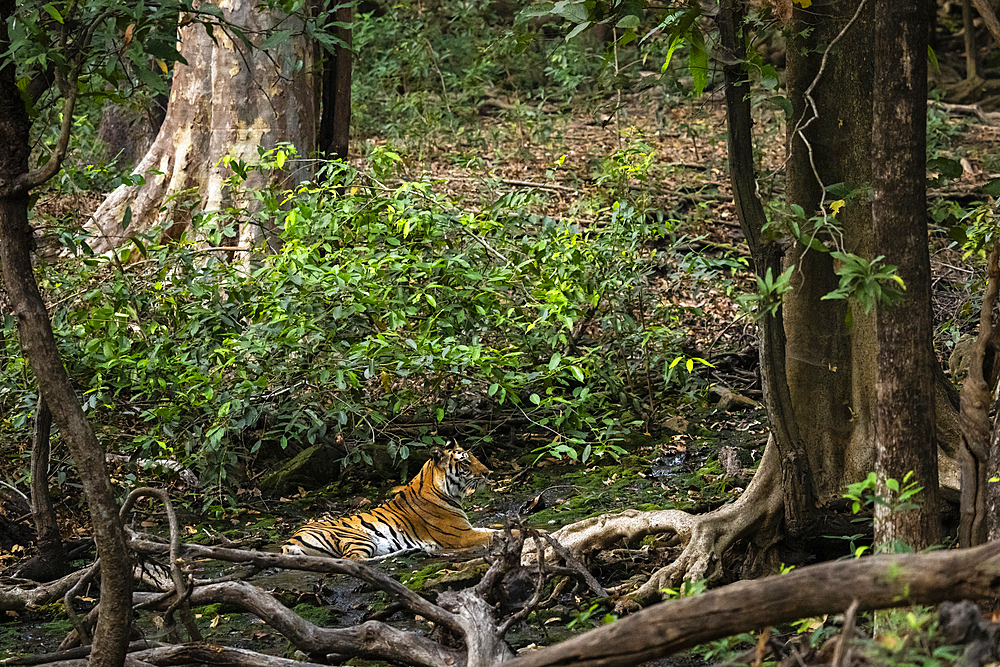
{"x":389,"y":314}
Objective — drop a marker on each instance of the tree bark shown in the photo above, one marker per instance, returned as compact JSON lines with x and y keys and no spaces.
{"x":969,"y":33}
{"x":978,"y":445}
{"x":767,"y":254}
{"x":877,"y":582}
{"x":904,"y":408}
{"x":39,"y":345}
{"x":227,"y":100}
{"x":50,"y":561}
{"x":335,"y":125}
{"x":831,"y":347}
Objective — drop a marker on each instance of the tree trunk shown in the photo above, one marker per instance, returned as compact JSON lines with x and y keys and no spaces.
{"x":39,"y":345}
{"x":830,"y":360}
{"x":969,"y":33}
{"x":50,"y":561}
{"x":227,"y":100}
{"x":904,"y":415}
{"x":335,"y":126}
{"x":798,"y":490}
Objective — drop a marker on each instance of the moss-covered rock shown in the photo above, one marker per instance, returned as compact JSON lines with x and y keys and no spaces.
{"x":310,"y":468}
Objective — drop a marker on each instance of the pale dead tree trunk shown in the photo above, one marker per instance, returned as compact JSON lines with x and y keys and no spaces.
{"x":904,"y":415}
{"x":227,"y":100}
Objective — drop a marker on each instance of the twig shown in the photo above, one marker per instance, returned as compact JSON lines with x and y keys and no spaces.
{"x":575,"y":565}
{"x":81,"y":627}
{"x":444,"y":88}
{"x":841,"y":655}
{"x":509,"y":181}
{"x":180,"y":585}
{"x":988,"y":117}
{"x":536,"y":597}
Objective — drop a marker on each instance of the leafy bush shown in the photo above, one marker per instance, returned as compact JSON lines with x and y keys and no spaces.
{"x":387,"y":305}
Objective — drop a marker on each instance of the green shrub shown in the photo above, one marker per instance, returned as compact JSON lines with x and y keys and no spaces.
{"x":385,"y":305}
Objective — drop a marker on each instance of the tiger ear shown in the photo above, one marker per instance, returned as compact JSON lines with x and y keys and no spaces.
{"x":437,"y":454}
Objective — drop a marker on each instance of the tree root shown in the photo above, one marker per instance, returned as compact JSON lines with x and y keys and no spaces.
{"x":705,"y":537}
{"x":876,"y":582}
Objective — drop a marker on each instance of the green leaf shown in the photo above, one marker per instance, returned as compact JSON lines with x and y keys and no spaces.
{"x":538,"y":9}
{"x":554,"y":361}
{"x":534,"y":398}
{"x":53,"y":12}
{"x":276,"y":38}
{"x":699,"y":62}
{"x":931,"y":56}
{"x":574,"y":11}
{"x":677,"y":41}
{"x":945,"y":166}
{"x":127,"y":218}
{"x":629,"y":22}
{"x":992,"y":188}
{"x":768,"y":77}
{"x":578,"y":29}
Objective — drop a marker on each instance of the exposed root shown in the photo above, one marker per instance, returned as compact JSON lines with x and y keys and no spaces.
{"x":705,"y":537}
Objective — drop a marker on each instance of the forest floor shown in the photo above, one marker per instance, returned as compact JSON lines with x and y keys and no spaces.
{"x":666,"y":157}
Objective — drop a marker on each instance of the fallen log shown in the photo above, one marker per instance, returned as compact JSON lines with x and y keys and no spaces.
{"x":876,"y":582}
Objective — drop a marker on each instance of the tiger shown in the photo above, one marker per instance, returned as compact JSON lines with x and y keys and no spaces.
{"x":426,"y":514}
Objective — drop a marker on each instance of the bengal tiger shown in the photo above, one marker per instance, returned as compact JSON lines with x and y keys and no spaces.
{"x":426,"y":514}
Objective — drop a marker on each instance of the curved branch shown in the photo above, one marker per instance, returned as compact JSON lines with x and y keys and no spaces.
{"x":351,"y":568}
{"x":372,"y":639}
{"x":180,"y":586}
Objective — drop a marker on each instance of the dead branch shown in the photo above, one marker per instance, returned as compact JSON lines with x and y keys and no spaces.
{"x":414,"y":602}
{"x":20,"y":595}
{"x":69,"y":654}
{"x":372,"y":639}
{"x":988,"y":117}
{"x":877,"y":582}
{"x":146,"y":653}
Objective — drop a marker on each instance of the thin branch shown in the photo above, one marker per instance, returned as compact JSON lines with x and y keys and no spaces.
{"x":81,"y":627}
{"x":351,"y":568}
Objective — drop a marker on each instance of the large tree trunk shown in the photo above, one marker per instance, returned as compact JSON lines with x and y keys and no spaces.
{"x":830,"y":362}
{"x":35,"y":330}
{"x":227,"y":100}
{"x":819,"y":361}
{"x":904,"y":414}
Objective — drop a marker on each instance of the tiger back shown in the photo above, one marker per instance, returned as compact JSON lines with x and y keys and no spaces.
{"x":426,"y":514}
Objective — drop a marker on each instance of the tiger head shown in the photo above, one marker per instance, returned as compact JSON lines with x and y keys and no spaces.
{"x":462,"y":474}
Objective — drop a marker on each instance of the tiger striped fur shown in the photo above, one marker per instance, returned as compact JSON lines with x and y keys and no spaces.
{"x":426,"y":514}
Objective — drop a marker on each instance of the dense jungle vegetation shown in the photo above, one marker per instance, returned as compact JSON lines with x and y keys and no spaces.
{"x":531,"y":249}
